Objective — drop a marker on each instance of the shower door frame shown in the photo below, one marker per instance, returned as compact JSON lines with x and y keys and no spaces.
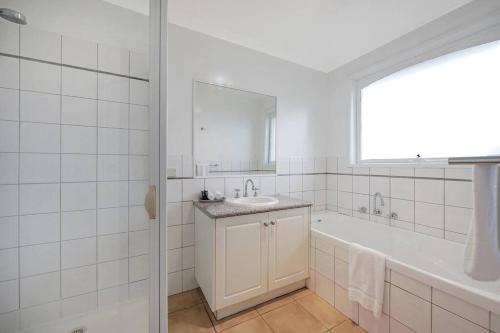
{"x":158,"y":166}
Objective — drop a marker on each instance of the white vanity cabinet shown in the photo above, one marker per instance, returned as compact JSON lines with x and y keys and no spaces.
{"x":244,"y":260}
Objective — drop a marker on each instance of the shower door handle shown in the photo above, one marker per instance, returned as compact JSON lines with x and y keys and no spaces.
{"x":150,"y":202}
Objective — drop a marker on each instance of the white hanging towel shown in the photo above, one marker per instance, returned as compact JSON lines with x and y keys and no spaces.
{"x":366,"y":278}
{"x":482,"y":254}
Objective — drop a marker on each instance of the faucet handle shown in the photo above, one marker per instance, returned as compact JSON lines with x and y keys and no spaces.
{"x":237,"y":192}
{"x":255,"y":189}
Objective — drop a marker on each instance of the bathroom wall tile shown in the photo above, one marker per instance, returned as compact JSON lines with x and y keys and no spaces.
{"x":397,"y":327}
{"x":37,"y":259}
{"x":403,"y":188}
{"x":343,"y":304}
{"x":403,"y":172}
{"x":9,"y":200}
{"x":41,"y":77}
{"x":139,"y":117}
{"x":9,"y":262}
{"x":112,"y":114}
{"x":8,"y":232}
{"x":296,"y":165}
{"x":188,"y":257}
{"x":282,"y":184}
{"x":325,"y":288}
{"x":380,"y":185}
{"x":79,"y":304}
{"x":311,"y":281}
{"x":411,"y":285}
{"x":137,"y":191}
{"x":331,"y":164}
{"x":174,"y":190}
{"x":39,"y":228}
{"x":139,"y":92}
{"x":308,"y":182}
{"x":139,"y":243}
{"x":331,"y":182}
{"x":10,"y":104}
{"x":361,"y":184}
{"x":40,"y":138}
{"x":78,"y":140}
{"x":79,"y":53}
{"x":295,"y":183}
{"x":430,"y":215}
{"x":78,"y":111}
{"x":113,"y":295}
{"x":112,"y":273}
{"x":214,"y":185}
{"x":40,"y":314}
{"x":78,"y":196}
{"x":78,"y":168}
{"x":9,"y":322}
{"x":191,"y":188}
{"x":457,"y":219}
{"x":174,"y":283}
{"x":174,"y":237}
{"x":39,"y":198}
{"x":359,"y":201}
{"x":458,"y":193}
{"x":361,"y":171}
{"x":174,"y":260}
{"x":187,"y":212}
{"x":187,"y":166}
{"x":112,"y":194}
{"x":9,"y":296}
{"x":139,"y":65}
{"x":138,"y":218}
{"x":113,"y":141}
{"x":188,"y":280}
{"x":187,"y":234}
{"x":139,"y":167}
{"x":112,"y":167}
{"x":460,"y":307}
{"x":78,"y":281}
{"x":174,"y":215}
{"x":331,"y":198}
{"x":113,"y":59}
{"x":458,"y":173}
{"x":9,"y":136}
{"x":320,"y":182}
{"x":403,"y":307}
{"x":345,"y":183}
{"x":39,"y":107}
{"x":140,"y":288}
{"x":139,"y":142}
{"x":320,"y":165}
{"x":112,"y":247}
{"x":371,"y":324}
{"x":444,"y":321}
{"x":455,"y":237}
{"x":429,"y":231}
{"x":39,"y":168}
{"x":79,"y":83}
{"x":325,"y":264}
{"x":40,"y":44}
{"x":10,"y":168}
{"x":298,"y":195}
{"x":113,"y":88}
{"x":112,"y":220}
{"x":341,"y":273}
{"x":9,"y":67}
{"x":319,"y":199}
{"x":39,"y":289}
{"x":429,"y":172}
{"x":380,"y":171}
{"x":78,"y":224}
{"x":78,"y":252}
{"x":345,"y":200}
{"x":139,"y":268}
{"x":9,"y":38}
{"x":404,"y":208}
{"x":495,"y":322}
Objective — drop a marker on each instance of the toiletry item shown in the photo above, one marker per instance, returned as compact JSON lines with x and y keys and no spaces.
{"x":204,"y":195}
{"x":210,"y":196}
{"x":218,"y":195}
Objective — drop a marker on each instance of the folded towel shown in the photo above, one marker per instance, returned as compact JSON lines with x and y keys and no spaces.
{"x":482,"y":254}
{"x":366,"y":278}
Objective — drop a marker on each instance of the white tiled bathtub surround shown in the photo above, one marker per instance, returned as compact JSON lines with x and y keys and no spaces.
{"x":433,"y":201}
{"x":72,"y":230}
{"x":409,"y":304}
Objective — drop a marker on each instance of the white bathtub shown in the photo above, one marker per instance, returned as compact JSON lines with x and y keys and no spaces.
{"x":434,"y":262}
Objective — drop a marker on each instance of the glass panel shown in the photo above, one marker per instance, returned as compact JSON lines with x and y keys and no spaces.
{"x":74,"y":145}
{"x":440,"y":108}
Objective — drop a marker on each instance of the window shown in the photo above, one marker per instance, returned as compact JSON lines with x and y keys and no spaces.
{"x":271,"y":138}
{"x":448,"y":106}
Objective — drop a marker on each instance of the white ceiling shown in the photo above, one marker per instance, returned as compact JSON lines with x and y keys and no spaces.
{"x":320,"y":34}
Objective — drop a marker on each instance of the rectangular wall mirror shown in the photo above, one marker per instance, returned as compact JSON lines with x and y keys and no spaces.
{"x":234,"y":131}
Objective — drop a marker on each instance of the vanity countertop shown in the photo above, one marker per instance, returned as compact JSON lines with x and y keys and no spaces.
{"x":217,"y":210}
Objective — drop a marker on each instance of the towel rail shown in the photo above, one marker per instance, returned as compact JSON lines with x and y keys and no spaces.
{"x":473,"y":160}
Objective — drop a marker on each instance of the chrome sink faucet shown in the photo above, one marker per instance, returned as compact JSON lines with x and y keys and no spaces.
{"x":377,"y":211}
{"x":245,"y":193}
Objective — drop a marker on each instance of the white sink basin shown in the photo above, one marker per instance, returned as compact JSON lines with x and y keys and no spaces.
{"x":261,"y":201}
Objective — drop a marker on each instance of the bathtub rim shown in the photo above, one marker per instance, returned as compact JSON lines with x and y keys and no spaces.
{"x":463,"y":292}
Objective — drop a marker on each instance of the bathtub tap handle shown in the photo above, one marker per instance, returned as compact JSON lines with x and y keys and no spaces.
{"x":394,"y":216}
{"x":363,"y":210}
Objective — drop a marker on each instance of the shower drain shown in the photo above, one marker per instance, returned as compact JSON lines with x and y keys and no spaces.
{"x":79,"y":330}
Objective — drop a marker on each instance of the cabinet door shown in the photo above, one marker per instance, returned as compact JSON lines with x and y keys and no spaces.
{"x":288,"y":247}
{"x":241,"y":258}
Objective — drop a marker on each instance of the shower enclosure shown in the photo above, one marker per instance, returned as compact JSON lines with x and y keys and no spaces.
{"x":79,"y":152}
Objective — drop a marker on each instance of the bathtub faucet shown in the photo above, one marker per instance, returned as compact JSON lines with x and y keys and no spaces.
{"x":377,"y":211}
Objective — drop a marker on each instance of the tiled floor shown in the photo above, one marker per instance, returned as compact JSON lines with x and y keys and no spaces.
{"x":300,"y":311}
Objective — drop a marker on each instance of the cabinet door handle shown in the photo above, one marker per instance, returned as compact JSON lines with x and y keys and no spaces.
{"x":266,"y":224}
{"x":273,"y":223}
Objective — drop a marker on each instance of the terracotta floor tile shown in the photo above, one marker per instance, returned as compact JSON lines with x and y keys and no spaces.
{"x":191,"y":320}
{"x":184,"y":300}
{"x":233,"y":320}
{"x":319,"y":308}
{"x":300,"y":293}
{"x":293,"y":318}
{"x":273,"y":304}
{"x":255,"y":325}
{"x":348,"y":327}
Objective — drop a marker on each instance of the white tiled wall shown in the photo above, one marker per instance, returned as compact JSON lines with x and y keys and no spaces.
{"x":433,"y":201}
{"x":73,"y":159}
{"x":303,"y":178}
{"x":409,"y":305}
